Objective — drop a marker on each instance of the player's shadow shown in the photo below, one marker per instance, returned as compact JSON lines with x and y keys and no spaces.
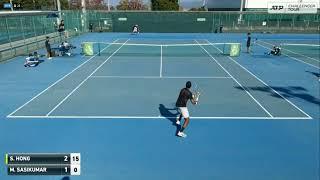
{"x":287,"y":92}
{"x":170,"y":114}
{"x":314,"y":73}
{"x":66,"y":178}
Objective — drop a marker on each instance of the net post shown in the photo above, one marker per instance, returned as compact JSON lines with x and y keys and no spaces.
{"x":224,"y":49}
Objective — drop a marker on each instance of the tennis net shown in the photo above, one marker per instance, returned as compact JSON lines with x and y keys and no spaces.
{"x":157,"y":50}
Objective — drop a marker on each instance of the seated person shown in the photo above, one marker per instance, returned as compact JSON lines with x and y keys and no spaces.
{"x":32,"y":60}
{"x":135,"y":29}
{"x":64,"y":48}
{"x":275,"y":51}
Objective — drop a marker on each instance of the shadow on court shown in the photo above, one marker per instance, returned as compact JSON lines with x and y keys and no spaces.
{"x":170,"y":114}
{"x":66,"y":178}
{"x":314,"y":73}
{"x":288,"y":92}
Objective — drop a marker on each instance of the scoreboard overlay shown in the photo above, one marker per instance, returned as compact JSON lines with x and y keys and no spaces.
{"x":43,"y":164}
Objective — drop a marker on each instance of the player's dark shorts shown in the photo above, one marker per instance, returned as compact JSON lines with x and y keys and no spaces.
{"x":248,"y":44}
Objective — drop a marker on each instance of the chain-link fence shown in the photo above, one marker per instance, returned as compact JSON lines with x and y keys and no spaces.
{"x":209,"y":22}
{"x":21,"y":33}
{"x":24,"y":32}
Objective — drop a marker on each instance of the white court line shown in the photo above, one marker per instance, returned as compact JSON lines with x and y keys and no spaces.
{"x":312,"y":45}
{"x":152,"y":117}
{"x":293,"y":52}
{"x":57,"y":82}
{"x":161,"y":62}
{"x":267,"y":85}
{"x":163,"y":77}
{"x":287,"y":39}
{"x":85,"y":79}
{"x":265,"y":110}
{"x":158,"y":45}
{"x":290,"y":56}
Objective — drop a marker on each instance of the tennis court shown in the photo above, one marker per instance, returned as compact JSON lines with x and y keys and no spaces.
{"x":119,"y":105}
{"x":133,"y":77}
{"x":257,"y":117}
{"x":305,"y":51}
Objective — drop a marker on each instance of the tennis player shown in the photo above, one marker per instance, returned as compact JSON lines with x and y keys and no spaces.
{"x":135,"y":29}
{"x":181,"y":104}
{"x":275,"y":51}
{"x":248,"y":42}
{"x":32,"y":60}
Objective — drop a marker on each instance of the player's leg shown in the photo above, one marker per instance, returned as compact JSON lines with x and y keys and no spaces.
{"x":185,"y":124}
{"x":185,"y":114}
{"x":48,"y":53}
{"x":178,"y":122}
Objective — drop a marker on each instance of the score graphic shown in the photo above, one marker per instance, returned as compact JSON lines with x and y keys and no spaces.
{"x":43,"y":164}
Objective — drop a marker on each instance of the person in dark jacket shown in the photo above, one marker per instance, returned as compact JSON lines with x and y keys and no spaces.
{"x":90,"y":27}
{"x":48,"y":47}
{"x":248,"y":42}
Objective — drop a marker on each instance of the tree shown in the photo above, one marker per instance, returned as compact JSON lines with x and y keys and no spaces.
{"x":198,"y":9}
{"x":95,"y":4}
{"x":131,"y":5}
{"x":165,"y":5}
{"x":136,"y":5}
{"x":64,"y":4}
{"x":123,"y":5}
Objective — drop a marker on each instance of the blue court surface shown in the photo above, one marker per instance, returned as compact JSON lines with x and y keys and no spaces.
{"x":257,"y":118}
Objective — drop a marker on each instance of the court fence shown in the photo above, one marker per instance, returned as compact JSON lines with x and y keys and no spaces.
{"x":21,"y":33}
{"x":204,"y":22}
{"x":24,"y":32}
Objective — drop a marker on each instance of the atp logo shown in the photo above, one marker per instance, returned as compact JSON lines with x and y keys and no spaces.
{"x":276,"y":7}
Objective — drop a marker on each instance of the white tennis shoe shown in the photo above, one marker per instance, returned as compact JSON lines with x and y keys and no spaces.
{"x":181,"y":134}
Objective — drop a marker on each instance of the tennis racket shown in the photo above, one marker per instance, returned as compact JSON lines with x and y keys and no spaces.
{"x":196,"y":93}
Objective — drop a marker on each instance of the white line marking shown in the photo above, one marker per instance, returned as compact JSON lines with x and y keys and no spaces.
{"x":85,"y":80}
{"x":269,"y":86}
{"x":290,"y":57}
{"x":236,"y":81}
{"x":293,"y":51}
{"x":312,"y":45}
{"x":163,"y":77}
{"x":56,"y":82}
{"x":149,"y":117}
{"x":161,"y":62}
{"x":159,"y":45}
{"x":295,"y":40}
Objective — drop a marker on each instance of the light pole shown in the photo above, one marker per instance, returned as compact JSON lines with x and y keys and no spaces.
{"x":83,"y":15}
{"x":204,"y":5}
{"x":241,"y":10}
{"x":11,"y":5}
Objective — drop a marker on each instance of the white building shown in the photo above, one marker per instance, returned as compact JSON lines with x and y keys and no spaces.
{"x":247,"y":4}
